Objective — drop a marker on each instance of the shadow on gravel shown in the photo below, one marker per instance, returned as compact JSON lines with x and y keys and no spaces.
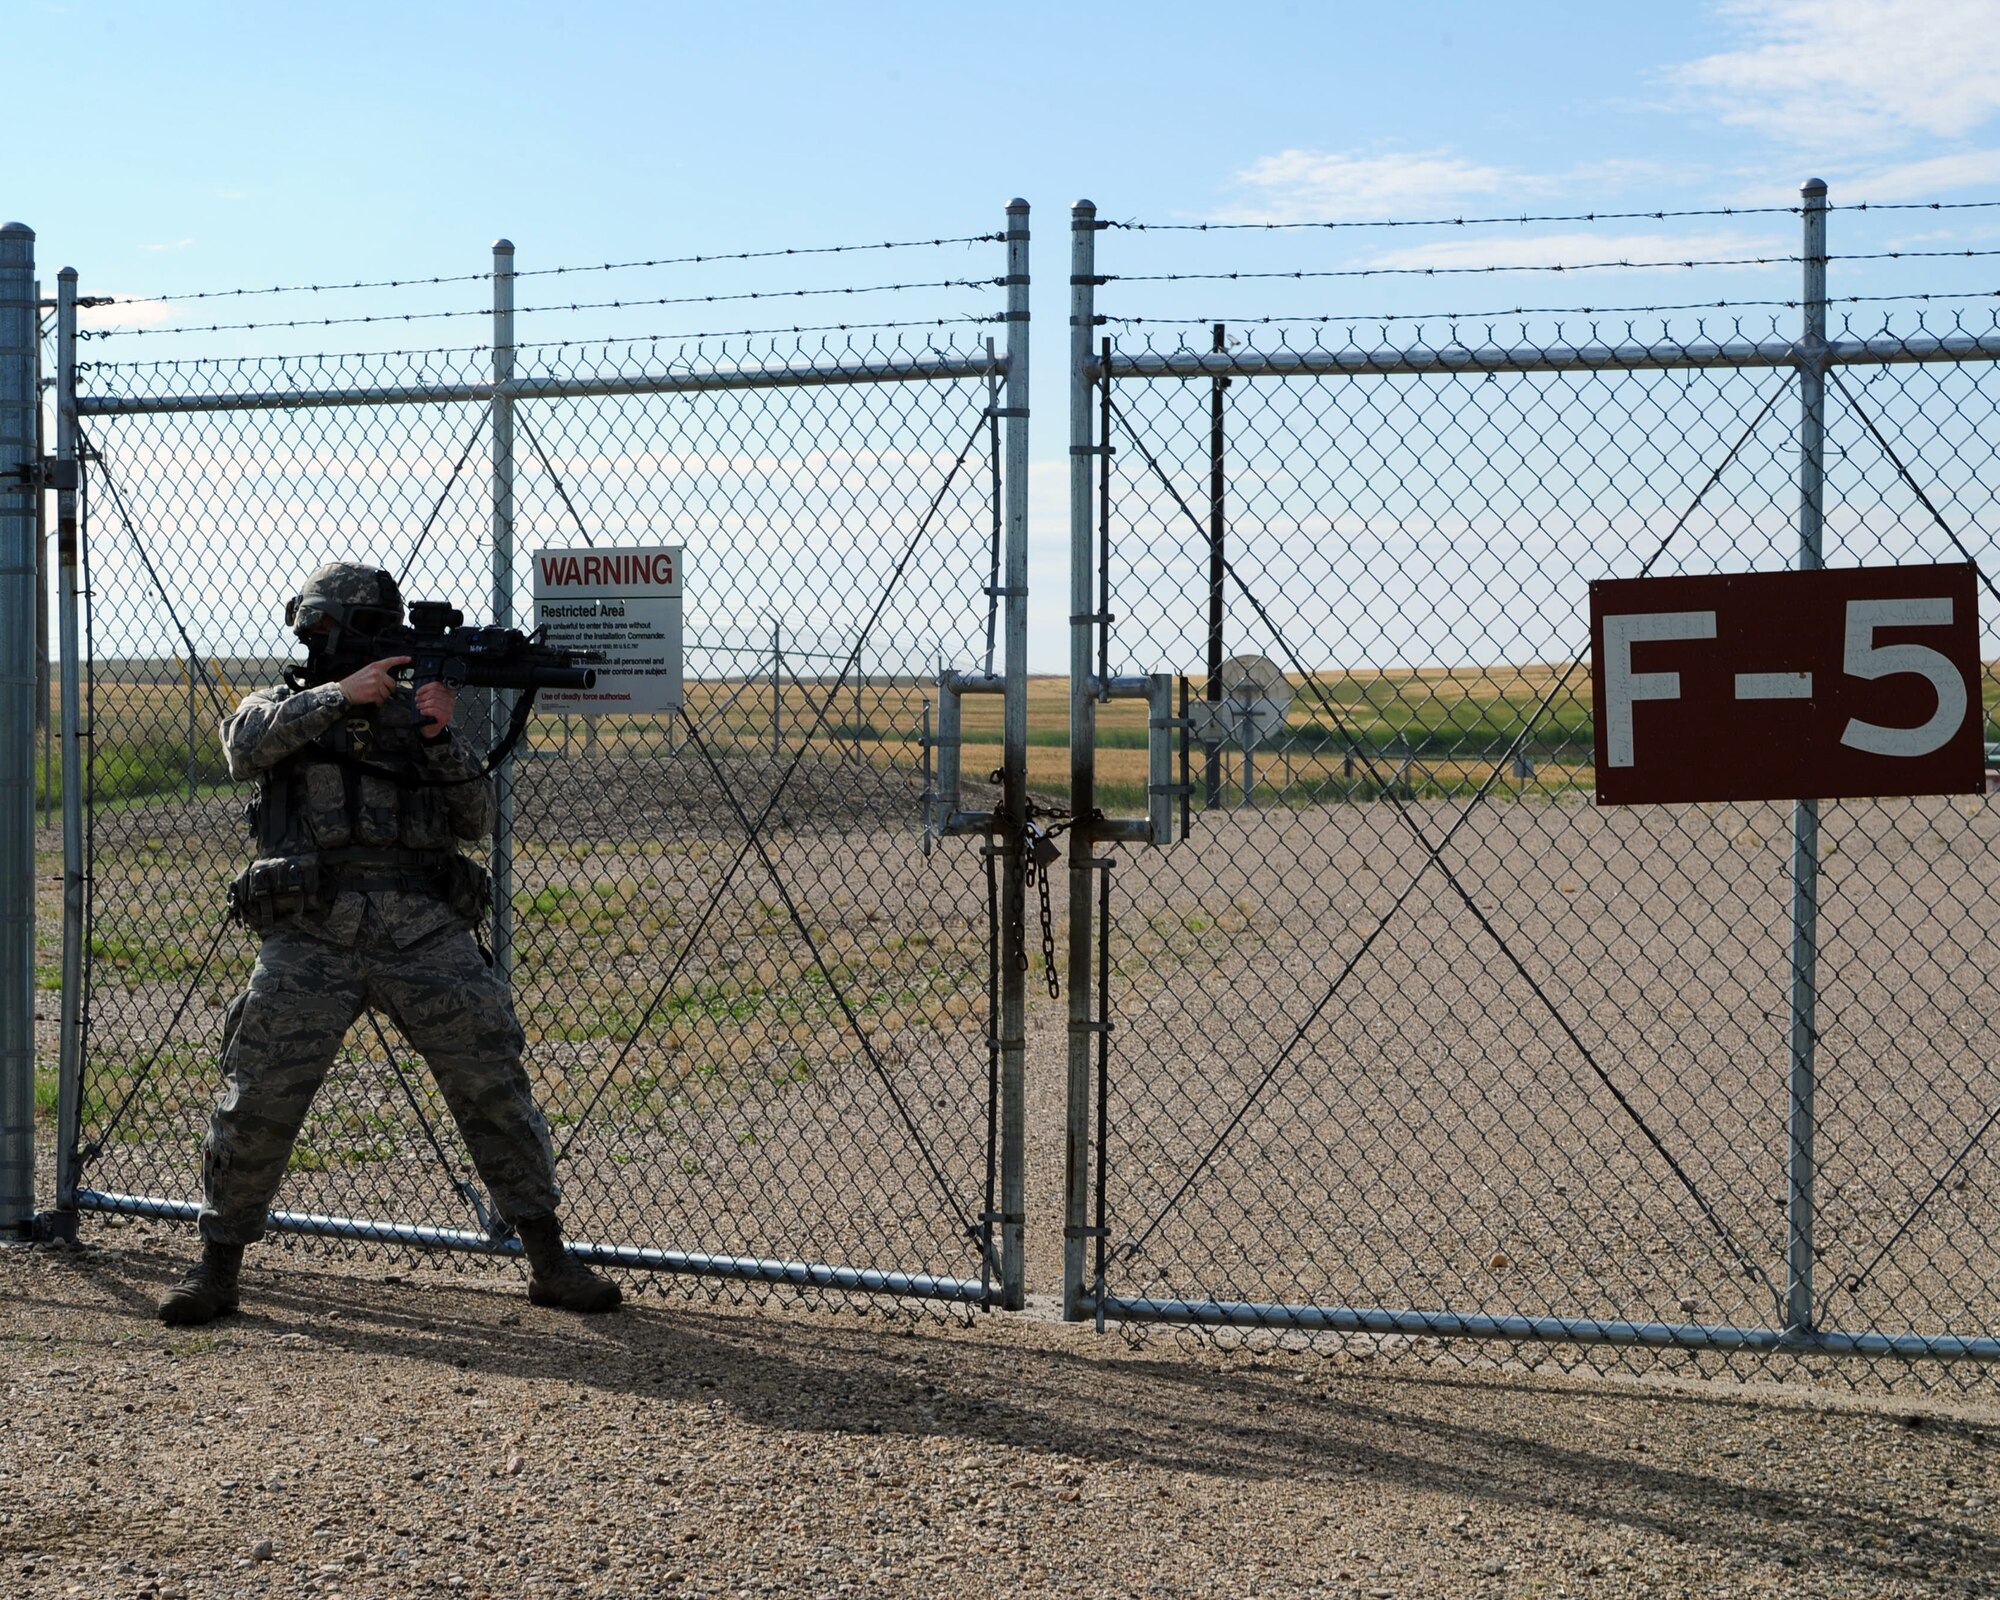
{"x":1511,"y":1442}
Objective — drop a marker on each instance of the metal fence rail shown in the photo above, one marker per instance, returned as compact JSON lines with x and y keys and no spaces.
{"x":1407,"y":1038}
{"x":775,"y":1023}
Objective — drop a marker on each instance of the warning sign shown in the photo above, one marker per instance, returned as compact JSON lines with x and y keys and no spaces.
{"x":626,"y":606}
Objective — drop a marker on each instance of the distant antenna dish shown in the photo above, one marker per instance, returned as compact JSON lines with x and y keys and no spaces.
{"x":1255,"y":700}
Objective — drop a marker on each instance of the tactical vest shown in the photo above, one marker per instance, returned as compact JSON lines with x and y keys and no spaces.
{"x":322,"y":803}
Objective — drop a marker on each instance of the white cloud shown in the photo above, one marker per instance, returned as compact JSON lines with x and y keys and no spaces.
{"x":1840,"y":75}
{"x":125,"y":312}
{"x":1329,"y":186}
{"x":178,"y":244}
{"x":1572,"y":249}
{"x":1367,"y":186}
{"x":1919,"y":180}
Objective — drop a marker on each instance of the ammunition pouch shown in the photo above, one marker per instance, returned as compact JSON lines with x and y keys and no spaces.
{"x":272,"y":891}
{"x":282,"y":887}
{"x":468,"y":889}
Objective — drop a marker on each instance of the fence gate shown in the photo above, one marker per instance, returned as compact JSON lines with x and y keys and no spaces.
{"x":1391,"y":1030}
{"x":772,"y":1000}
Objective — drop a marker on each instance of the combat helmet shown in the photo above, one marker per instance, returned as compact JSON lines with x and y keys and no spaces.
{"x":364,"y":599}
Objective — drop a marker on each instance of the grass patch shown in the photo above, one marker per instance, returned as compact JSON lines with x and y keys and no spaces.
{"x":195,"y":1344}
{"x":124,"y":771}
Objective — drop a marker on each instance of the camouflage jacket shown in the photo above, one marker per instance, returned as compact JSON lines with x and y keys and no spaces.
{"x":326,"y":806}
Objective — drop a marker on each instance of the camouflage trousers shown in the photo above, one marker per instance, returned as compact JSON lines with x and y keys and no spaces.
{"x":281,"y":1037}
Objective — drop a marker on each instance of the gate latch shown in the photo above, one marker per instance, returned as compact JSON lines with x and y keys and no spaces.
{"x":46,"y":472}
{"x":942,"y":798}
{"x":1157,"y":690}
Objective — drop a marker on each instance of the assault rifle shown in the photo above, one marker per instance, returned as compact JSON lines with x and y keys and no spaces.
{"x":443,"y":650}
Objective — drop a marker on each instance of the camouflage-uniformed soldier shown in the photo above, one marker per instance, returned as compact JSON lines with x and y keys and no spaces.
{"x":362,"y":898}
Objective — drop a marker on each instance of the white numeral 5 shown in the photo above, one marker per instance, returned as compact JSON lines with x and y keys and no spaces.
{"x":1864,"y":658}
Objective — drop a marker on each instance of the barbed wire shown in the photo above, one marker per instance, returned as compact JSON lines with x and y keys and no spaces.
{"x":1443,"y":271}
{"x":610,"y":339}
{"x":1516,"y":220}
{"x":1552,"y":311}
{"x":1450,"y":222}
{"x":545,"y":272}
{"x":1572,"y":266}
{"x":523,"y":311}
{"x":770,"y":255}
{"x":1910,"y":255}
{"x":1526,"y":218}
{"x":300,"y":288}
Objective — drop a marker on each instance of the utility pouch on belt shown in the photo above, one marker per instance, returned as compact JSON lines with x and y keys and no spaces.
{"x":468,"y":888}
{"x":269,"y":891}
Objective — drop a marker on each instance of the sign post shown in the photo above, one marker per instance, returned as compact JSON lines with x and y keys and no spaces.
{"x":1255,"y":698}
{"x":1804,"y":1027}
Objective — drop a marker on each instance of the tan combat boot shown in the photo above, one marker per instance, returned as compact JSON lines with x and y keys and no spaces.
{"x":556,"y":1279}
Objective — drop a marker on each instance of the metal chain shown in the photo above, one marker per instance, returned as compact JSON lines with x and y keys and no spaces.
{"x":1048,"y":936}
{"x":1035,"y":865}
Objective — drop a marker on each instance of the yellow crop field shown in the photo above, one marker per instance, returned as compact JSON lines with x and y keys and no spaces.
{"x":1347,"y":733}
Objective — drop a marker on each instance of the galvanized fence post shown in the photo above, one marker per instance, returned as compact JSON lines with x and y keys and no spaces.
{"x":20,"y":489}
{"x":1014,"y":777}
{"x":1082,"y":772}
{"x":69,"y":1045}
{"x":503,"y":595}
{"x":1805,"y":813}
{"x":1218,"y":533}
{"x":44,"y":689}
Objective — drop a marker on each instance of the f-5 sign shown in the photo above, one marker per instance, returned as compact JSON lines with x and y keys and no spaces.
{"x":1787,"y":685}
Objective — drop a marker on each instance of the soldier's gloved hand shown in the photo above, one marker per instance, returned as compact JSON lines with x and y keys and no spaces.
{"x":374,"y":683}
{"x":435,"y":704}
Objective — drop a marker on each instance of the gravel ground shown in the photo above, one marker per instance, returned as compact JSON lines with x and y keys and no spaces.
{"x":359,"y":1433}
{"x":1298,"y":1112}
{"x":1571,"y":1100}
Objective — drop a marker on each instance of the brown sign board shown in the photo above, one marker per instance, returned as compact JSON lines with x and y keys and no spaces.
{"x":1787,"y":685}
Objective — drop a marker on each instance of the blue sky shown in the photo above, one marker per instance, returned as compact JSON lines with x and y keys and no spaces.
{"x":167,"y":148}
{"x":203,"y":145}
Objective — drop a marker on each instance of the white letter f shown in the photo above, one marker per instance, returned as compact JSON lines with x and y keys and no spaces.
{"x":1622,"y":686}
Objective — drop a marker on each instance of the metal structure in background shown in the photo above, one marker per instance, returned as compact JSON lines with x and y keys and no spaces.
{"x":779,"y":1034}
{"x":1422,"y":1043}
{"x":21,"y":484}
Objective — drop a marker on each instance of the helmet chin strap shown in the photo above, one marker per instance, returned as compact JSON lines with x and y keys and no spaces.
{"x":319,"y":655}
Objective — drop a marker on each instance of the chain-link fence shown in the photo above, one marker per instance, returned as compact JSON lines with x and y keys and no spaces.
{"x":1378,"y":1027}
{"x":765,"y":1004}
{"x":1405,"y":1037}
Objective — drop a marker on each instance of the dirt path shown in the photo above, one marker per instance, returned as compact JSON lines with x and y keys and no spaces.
{"x":367,"y":1431}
